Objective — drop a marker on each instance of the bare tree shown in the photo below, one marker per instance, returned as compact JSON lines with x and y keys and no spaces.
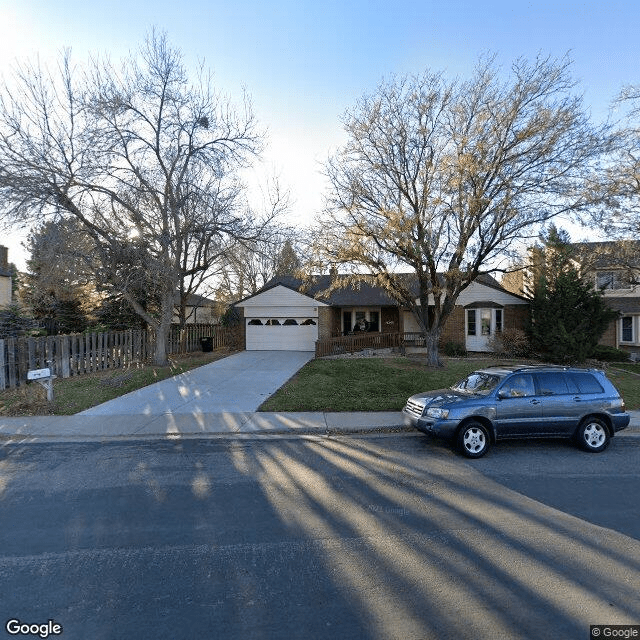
{"x":145,"y":159}
{"x":251,"y":263}
{"x":620,"y":184}
{"x":441,"y":177}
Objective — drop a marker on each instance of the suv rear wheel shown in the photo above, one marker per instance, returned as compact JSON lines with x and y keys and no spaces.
{"x":473,"y":439}
{"x":593,"y":435}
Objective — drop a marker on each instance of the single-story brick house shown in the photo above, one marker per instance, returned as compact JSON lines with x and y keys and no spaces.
{"x":292,"y":314}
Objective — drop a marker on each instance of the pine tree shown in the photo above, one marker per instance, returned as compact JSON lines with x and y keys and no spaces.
{"x":568,"y":316}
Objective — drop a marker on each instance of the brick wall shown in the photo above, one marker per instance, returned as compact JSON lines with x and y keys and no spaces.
{"x":453,"y":330}
{"x":516,"y":316}
{"x":326,"y":322}
{"x":390,"y":319}
{"x":609,"y":337}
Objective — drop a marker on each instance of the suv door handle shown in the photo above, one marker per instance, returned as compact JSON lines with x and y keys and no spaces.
{"x":534,"y":401}
{"x":577,"y":399}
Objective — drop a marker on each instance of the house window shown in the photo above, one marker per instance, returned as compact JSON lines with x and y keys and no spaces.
{"x":485,"y":321}
{"x":471,"y":322}
{"x":498,"y":324}
{"x":356,"y":320}
{"x":611,"y":280}
{"x":626,"y":329}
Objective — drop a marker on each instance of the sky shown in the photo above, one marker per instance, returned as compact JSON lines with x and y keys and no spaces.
{"x":305,"y":63}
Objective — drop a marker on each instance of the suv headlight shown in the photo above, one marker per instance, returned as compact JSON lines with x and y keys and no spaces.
{"x":438,"y":413}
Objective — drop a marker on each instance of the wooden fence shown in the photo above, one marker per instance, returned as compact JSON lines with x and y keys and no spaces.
{"x":361,"y":341}
{"x":78,"y":354}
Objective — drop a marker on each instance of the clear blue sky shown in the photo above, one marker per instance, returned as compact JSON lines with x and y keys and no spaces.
{"x":304,"y":63}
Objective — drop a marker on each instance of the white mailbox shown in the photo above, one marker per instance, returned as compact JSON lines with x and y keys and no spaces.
{"x":44,"y":378}
{"x":38,"y":374}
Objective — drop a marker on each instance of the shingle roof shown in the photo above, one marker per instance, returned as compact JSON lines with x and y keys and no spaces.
{"x":609,"y":253}
{"x":623,"y":304}
{"x":363,"y":294}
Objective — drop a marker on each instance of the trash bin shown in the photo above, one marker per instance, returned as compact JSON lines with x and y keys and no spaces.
{"x":207,"y":343}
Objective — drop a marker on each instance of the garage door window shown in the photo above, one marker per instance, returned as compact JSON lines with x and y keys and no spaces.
{"x":255,"y":322}
{"x":309,"y":323}
{"x":290,"y":322}
{"x":273,"y":322}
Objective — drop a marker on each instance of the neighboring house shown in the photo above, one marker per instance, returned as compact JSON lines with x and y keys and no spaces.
{"x":5,"y":278}
{"x":289,"y":314}
{"x":199,"y":310}
{"x":614,"y":268}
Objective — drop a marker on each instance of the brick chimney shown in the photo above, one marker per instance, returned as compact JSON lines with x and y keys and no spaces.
{"x":4,"y":258}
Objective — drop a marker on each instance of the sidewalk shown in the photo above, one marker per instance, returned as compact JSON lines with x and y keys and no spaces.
{"x":169,"y":425}
{"x":189,"y":425}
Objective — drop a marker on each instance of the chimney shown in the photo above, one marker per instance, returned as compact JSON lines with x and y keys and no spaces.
{"x":4,"y":258}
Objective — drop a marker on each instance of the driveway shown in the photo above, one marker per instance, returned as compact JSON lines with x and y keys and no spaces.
{"x":237,"y":384}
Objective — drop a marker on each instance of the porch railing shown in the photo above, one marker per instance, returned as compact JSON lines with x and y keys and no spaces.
{"x":362,"y":341}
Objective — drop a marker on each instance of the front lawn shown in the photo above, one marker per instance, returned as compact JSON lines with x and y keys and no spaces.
{"x":384,"y":384}
{"x":364,"y":384}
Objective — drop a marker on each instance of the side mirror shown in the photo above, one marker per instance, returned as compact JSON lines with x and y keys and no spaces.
{"x":503,"y":393}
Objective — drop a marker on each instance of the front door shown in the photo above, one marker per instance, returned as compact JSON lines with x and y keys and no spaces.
{"x":480,"y":326}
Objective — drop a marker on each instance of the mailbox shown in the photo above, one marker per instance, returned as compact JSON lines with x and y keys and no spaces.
{"x":38,"y":374}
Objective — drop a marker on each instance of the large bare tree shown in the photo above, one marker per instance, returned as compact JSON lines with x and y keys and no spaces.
{"x":142,"y":156}
{"x":620,"y":184}
{"x":440,"y":177}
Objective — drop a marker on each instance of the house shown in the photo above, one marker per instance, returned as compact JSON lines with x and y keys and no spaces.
{"x":291,"y":314}
{"x":5,"y":278}
{"x":198,"y":310}
{"x":614,"y":268}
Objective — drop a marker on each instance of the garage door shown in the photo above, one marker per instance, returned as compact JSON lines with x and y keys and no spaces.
{"x":281,"y":334}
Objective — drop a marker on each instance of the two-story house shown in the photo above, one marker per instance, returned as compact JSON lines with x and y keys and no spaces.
{"x":614,"y":269}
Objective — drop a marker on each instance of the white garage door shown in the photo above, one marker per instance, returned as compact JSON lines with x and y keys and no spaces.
{"x":281,"y":334}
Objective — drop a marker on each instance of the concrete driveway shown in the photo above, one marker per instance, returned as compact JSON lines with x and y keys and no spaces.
{"x":237,"y":384}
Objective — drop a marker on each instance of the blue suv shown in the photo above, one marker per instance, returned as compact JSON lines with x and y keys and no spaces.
{"x":498,"y":403}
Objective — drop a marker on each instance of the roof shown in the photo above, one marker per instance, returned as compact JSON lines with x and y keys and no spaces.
{"x":363,"y":294}
{"x":196,"y":300}
{"x":623,"y":304}
{"x":609,"y":253}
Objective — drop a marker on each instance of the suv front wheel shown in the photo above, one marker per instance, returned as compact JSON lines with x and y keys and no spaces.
{"x":593,"y":435}
{"x":473,"y":440}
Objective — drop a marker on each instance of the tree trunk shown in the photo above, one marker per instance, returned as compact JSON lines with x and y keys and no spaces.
{"x":433,"y":354}
{"x":163,"y":331}
{"x":160,"y":358}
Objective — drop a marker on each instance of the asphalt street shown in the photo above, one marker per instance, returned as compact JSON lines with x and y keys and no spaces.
{"x":362,"y":536}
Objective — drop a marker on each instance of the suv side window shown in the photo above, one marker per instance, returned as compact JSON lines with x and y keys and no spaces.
{"x":520,"y":385}
{"x":586,"y":382}
{"x":552,"y":383}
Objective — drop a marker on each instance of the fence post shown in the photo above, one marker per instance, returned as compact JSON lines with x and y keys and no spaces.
{"x":3,"y":366}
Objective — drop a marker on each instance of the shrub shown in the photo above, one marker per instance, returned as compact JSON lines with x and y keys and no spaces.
{"x":609,"y":354}
{"x":511,"y":343}
{"x":454,"y":349}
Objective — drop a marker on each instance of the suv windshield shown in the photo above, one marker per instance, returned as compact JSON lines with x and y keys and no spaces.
{"x":478,"y":382}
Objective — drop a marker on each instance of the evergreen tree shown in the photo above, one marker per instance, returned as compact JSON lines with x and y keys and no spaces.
{"x":568,"y":316}
{"x":14,"y":321}
{"x":288,"y":263}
